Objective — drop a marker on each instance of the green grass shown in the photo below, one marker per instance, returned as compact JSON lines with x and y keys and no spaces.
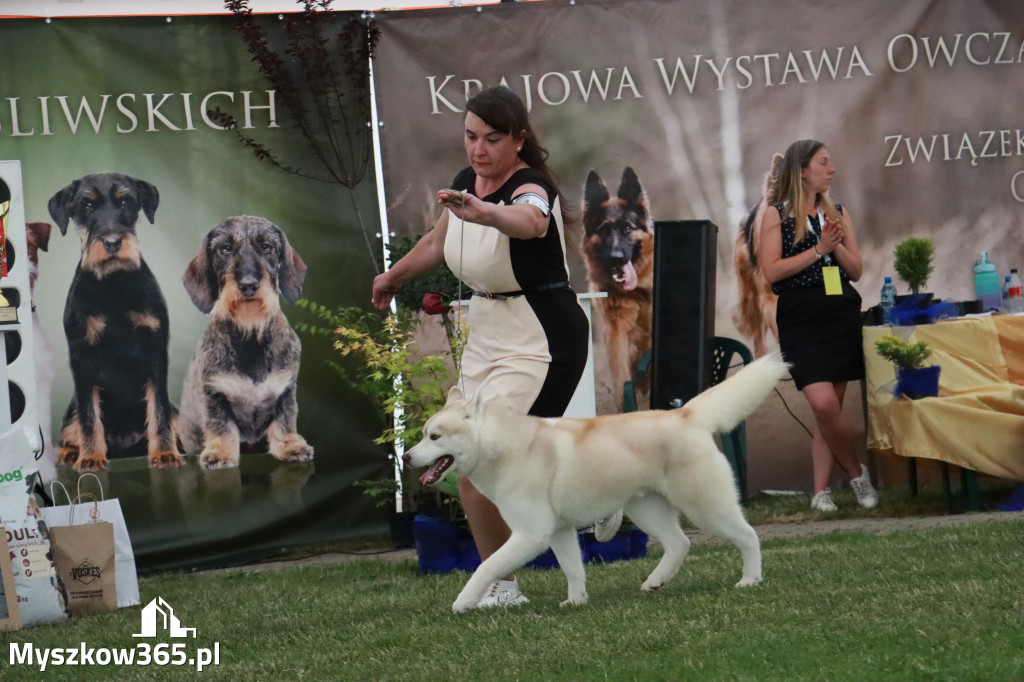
{"x":943,"y":604}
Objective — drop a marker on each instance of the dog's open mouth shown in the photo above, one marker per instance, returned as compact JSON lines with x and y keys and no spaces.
{"x":437,"y":469}
{"x":625,"y":275}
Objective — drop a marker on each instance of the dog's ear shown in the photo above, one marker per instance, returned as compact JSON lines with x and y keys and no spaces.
{"x":475,"y":406}
{"x":199,"y":280}
{"x":42,"y":234}
{"x":292,"y":273}
{"x":60,"y":203}
{"x":630,"y":189}
{"x":595,"y":192}
{"x":149,"y":198}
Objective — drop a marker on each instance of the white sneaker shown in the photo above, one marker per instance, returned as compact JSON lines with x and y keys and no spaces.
{"x":605,"y":529}
{"x":823,"y":501}
{"x":503,"y":593}
{"x":862,"y":488}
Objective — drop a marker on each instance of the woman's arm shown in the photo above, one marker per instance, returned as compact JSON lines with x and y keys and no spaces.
{"x":521,"y":221}
{"x":769,"y":253}
{"x":425,"y":256}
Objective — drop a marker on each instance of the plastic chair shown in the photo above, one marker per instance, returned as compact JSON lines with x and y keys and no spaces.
{"x":629,"y":387}
{"x":734,"y":443}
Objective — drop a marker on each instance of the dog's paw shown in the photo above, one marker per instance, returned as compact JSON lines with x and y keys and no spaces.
{"x":291,"y":448}
{"x":67,"y":456}
{"x":575,"y":601}
{"x":304,"y":453}
{"x":749,"y":582}
{"x":217,"y":459}
{"x":650,"y":586}
{"x":165,"y":460}
{"x":462,"y":605}
{"x":86,"y":463}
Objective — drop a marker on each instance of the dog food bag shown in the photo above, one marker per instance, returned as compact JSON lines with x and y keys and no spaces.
{"x":41,"y":596}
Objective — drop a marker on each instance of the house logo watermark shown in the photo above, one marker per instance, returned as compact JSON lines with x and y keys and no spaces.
{"x":158,"y":615}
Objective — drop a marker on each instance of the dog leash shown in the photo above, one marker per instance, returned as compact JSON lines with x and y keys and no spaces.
{"x":459,"y":323}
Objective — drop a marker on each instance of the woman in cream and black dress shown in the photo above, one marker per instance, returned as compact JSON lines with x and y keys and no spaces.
{"x":808,"y":253}
{"x":502,"y":233}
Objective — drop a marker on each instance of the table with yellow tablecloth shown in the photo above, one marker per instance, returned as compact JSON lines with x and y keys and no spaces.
{"x":977,"y":420}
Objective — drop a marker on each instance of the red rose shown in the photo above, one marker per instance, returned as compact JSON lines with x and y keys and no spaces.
{"x":433,"y":303}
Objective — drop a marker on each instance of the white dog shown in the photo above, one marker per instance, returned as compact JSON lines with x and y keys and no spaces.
{"x":549,"y":477}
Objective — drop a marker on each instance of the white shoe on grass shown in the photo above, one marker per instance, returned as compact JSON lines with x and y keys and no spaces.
{"x":503,"y":593}
{"x":823,"y":501}
{"x":862,"y":488}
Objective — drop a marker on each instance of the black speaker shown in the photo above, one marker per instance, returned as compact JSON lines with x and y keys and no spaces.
{"x":683,"y":333}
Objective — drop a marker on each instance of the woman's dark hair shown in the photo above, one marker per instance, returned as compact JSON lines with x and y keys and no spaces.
{"x":501,"y":108}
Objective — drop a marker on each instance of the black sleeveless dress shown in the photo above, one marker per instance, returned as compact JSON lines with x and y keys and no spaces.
{"x":819,"y":335}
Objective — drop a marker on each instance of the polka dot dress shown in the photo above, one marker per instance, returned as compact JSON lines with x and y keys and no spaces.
{"x":820,"y":335}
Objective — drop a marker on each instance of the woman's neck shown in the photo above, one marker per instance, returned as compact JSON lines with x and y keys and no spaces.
{"x":486,"y":186}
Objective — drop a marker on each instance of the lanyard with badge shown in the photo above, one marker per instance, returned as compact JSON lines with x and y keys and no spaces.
{"x":829,"y":272}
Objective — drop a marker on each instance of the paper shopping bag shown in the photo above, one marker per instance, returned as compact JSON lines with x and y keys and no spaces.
{"x":84,"y":555}
{"x":108,"y":511}
{"x":10,"y":618}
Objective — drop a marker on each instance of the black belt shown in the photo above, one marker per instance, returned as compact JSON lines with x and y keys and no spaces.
{"x":513,"y":294}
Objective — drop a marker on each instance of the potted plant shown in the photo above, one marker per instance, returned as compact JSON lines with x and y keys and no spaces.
{"x":379,"y":359}
{"x":913,"y":379}
{"x":913,"y":261}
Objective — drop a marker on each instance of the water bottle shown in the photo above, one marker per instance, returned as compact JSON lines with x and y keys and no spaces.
{"x":986,"y":283}
{"x":1015,"y":293}
{"x":1005,"y":295}
{"x":888,"y":301}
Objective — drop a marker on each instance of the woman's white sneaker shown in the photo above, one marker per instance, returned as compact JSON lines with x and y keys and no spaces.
{"x":503,"y":593}
{"x":605,"y":529}
{"x":862,"y":488}
{"x":823,"y":501}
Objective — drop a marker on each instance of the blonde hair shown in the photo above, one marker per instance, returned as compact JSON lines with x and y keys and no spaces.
{"x":790,"y":189}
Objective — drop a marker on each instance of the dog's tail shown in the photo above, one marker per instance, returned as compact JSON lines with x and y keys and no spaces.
{"x":722,"y":407}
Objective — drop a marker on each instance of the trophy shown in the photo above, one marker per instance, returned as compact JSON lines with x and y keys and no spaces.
{"x":8,"y":313}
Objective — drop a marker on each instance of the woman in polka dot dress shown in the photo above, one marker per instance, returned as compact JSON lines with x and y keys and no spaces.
{"x":808,"y":252}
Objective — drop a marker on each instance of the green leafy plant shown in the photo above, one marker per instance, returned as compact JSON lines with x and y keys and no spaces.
{"x":903,"y":354}
{"x":378,"y":358}
{"x":913,"y":261}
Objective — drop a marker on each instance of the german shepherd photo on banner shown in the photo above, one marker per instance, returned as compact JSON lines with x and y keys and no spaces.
{"x":754,"y":315}
{"x":618,"y":251}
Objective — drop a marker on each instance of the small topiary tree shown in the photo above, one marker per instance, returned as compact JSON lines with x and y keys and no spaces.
{"x":913,"y":261}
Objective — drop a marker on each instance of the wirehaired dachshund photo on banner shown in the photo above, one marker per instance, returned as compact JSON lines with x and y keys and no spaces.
{"x":240,"y":386}
{"x":117,"y":329}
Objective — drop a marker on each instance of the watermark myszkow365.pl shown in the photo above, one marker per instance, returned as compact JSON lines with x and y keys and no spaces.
{"x":156,"y":615}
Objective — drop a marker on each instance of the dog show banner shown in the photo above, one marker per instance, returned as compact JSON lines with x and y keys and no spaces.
{"x":673,"y":110}
{"x":169,"y":260}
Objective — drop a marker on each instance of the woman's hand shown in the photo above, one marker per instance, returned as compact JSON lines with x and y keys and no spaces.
{"x":831,"y":236}
{"x":384,"y":290}
{"x":513,"y":220}
{"x":463,"y":204}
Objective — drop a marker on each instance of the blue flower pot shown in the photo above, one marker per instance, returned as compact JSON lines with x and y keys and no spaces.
{"x":922,"y":382}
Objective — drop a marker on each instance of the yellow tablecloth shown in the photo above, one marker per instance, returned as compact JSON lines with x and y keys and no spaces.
{"x":977,"y":420}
